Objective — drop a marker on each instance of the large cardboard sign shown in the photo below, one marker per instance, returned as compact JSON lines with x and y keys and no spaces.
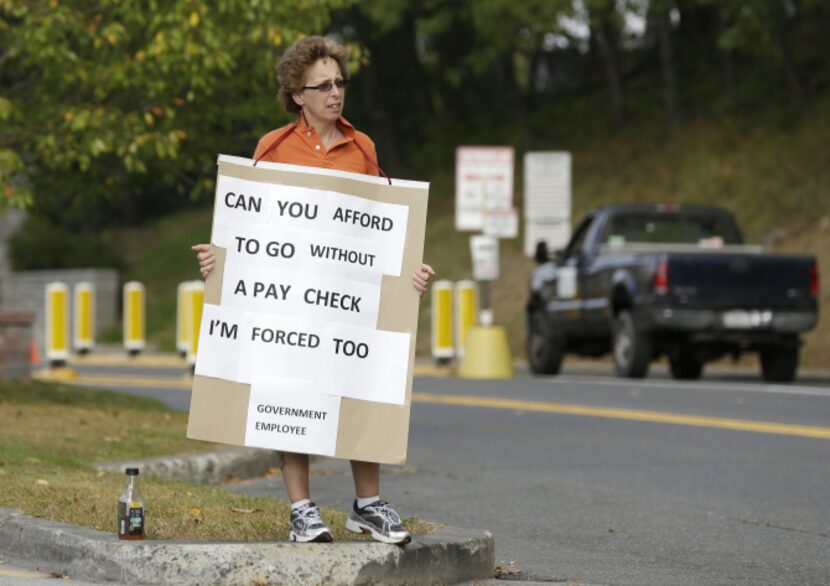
{"x":308,"y":331}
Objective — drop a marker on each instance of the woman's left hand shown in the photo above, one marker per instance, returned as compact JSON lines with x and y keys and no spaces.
{"x":420,"y":279}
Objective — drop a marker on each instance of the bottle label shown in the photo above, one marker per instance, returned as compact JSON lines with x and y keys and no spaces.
{"x":130,"y":519}
{"x":136,"y":519}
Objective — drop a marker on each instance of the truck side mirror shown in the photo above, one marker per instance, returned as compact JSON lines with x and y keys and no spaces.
{"x":541,"y":254}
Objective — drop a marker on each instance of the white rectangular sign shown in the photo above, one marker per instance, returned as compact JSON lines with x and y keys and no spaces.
{"x":501,"y":223}
{"x":485,"y":253}
{"x":290,"y":416}
{"x":483,"y":180}
{"x":301,"y":294}
{"x":314,"y":210}
{"x":547,"y":200}
{"x":348,"y":361}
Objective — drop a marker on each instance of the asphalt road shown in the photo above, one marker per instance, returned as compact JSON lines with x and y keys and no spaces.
{"x":590,"y":479}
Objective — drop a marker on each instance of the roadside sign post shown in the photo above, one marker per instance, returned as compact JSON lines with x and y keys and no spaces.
{"x":484,"y":202}
{"x":84,"y":296}
{"x":485,"y":253}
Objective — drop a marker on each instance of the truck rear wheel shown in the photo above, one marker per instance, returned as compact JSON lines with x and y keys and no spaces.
{"x":545,"y":346}
{"x":779,"y":363}
{"x":632,"y":347}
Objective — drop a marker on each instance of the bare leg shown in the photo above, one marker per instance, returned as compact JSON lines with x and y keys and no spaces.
{"x":295,"y":476}
{"x":366,"y":478}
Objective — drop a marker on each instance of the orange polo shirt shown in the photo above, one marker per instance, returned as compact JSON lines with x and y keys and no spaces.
{"x":304,"y":147}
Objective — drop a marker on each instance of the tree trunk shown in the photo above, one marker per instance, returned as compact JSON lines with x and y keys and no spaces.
{"x":785,"y":54}
{"x":605,"y":42}
{"x":667,"y":67}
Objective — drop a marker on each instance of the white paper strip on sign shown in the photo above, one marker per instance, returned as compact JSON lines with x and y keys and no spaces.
{"x":220,"y":340}
{"x":288,"y":415}
{"x":315,"y":252}
{"x":366,"y":364}
{"x":253,"y":202}
{"x":299,"y":294}
{"x":280,"y":347}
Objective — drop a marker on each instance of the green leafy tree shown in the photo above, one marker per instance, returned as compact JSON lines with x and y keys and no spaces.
{"x":111,"y":109}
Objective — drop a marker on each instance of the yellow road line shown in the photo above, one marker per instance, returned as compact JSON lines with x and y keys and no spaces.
{"x":186,"y":383}
{"x":627,"y":414}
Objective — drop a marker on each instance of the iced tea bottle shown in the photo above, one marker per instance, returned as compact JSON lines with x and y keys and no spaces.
{"x":131,"y":508}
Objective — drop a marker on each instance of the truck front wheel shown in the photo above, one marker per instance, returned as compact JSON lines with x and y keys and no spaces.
{"x":545,"y":346}
{"x":632,"y":347}
{"x":779,"y":363}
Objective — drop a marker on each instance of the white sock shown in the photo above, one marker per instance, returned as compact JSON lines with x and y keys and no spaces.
{"x":367,"y":501}
{"x":298,"y":504}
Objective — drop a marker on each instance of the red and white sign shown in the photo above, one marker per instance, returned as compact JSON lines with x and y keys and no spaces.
{"x":483,"y":181}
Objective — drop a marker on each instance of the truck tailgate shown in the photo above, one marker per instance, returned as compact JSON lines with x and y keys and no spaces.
{"x":740,"y":280}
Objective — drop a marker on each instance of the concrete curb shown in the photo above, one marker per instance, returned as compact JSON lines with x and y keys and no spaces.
{"x":448,"y":556}
{"x":204,"y":468}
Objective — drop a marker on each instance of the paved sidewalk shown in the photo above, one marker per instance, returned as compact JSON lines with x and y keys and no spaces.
{"x":448,"y":556}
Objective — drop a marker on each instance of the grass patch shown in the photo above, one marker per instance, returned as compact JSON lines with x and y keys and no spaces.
{"x":50,"y":435}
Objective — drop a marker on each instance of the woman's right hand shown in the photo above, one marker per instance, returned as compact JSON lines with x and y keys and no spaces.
{"x":207,"y":260}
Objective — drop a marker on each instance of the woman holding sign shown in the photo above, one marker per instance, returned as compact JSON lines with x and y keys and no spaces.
{"x":313,"y":86}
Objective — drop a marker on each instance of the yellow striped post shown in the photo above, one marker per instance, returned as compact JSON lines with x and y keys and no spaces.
{"x":133,"y":320}
{"x":466,"y":312}
{"x":442,"y":338}
{"x":84,"y":302}
{"x":196,"y":299}
{"x":181,"y":318}
{"x":57,"y":323}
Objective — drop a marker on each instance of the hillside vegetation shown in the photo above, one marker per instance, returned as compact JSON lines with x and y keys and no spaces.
{"x":773,"y":176}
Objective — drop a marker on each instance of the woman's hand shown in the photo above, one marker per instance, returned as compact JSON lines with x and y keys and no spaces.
{"x":207,"y":260}
{"x":420,"y":279}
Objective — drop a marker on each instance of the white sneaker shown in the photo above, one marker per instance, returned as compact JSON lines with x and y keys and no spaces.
{"x":307,"y":525}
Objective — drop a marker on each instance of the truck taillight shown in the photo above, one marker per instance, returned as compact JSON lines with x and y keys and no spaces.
{"x":661,"y":278}
{"x":814,"y":286}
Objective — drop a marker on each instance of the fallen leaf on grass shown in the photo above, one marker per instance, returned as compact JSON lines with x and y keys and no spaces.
{"x":195,"y":511}
{"x":42,"y":482}
{"x":244,"y":511}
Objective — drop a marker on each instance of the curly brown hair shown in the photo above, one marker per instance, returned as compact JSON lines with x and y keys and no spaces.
{"x":298,"y":58}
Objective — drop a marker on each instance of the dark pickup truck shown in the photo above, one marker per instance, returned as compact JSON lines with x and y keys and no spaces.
{"x":642,"y":281}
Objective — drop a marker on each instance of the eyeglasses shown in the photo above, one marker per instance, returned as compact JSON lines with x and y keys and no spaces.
{"x":327,"y":85}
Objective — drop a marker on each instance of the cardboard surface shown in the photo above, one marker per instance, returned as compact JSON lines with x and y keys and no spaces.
{"x":368,"y":430}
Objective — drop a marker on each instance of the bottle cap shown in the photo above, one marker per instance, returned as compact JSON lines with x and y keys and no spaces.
{"x":132,"y":471}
